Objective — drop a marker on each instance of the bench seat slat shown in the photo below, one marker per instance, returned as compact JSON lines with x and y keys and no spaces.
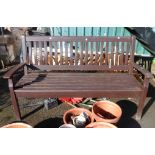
{"x":68,"y":82}
{"x":80,"y":67}
{"x":76,"y":93}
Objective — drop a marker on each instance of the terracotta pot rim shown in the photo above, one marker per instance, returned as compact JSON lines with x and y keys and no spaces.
{"x":24,"y":125}
{"x":67,"y":126}
{"x":114,"y":120}
{"x":82,"y":109}
{"x":100,"y":123}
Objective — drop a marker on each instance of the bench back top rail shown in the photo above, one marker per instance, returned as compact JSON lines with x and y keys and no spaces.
{"x":78,"y":53}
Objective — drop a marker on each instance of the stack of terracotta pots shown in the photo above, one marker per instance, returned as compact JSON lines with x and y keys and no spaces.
{"x":105,"y":114}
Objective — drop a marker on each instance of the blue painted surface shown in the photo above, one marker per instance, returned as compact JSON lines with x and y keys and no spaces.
{"x":97,"y":31}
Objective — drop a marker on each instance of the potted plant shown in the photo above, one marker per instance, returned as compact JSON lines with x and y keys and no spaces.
{"x":79,"y":117}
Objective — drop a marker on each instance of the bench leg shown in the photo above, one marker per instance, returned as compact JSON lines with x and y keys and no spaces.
{"x":16,"y":107}
{"x":141,"y":105}
{"x":14,"y":102}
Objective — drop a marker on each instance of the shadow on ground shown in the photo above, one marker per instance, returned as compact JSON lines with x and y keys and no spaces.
{"x":128,"y":111}
{"x":50,"y":123}
{"x":151,"y":94}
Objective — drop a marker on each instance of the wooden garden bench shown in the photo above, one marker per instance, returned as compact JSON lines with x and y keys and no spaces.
{"x":78,"y":67}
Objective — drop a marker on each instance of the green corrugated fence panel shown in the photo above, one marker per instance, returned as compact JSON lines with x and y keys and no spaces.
{"x":80,"y":31}
{"x":96,"y":31}
{"x":65,"y":31}
{"x":88,"y":31}
{"x":72,"y":31}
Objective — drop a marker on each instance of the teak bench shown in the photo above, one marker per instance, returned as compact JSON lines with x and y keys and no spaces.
{"x":78,"y":67}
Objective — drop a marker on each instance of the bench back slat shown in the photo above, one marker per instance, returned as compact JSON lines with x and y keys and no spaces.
{"x":81,"y":54}
{"x":35,"y":52}
{"x":112,"y":53}
{"x":45,"y":51}
{"x":30,"y":52}
{"x":122,"y":53}
{"x":71,"y":53}
{"x":78,"y":51}
{"x":86,"y":54}
{"x":66,"y":53}
{"x":106,"y":54}
{"x":56,"y":52}
{"x":61,"y":53}
{"x":126,"y":56}
{"x":117,"y":50}
{"x":101,"y":55}
{"x":91,"y":55}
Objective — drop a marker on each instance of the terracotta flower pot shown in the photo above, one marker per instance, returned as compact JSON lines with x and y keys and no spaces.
{"x":67,"y":126}
{"x":17,"y":125}
{"x":100,"y":125}
{"x":106,"y":111}
{"x":67,"y":117}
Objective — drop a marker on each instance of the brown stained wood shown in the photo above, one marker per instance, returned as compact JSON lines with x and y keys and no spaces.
{"x":61,"y":53}
{"x":76,"y":53}
{"x":96,"y":54}
{"x":80,"y":67}
{"x":45,"y":51}
{"x":86,"y":53}
{"x":77,"y":77}
{"x":91,"y":55}
{"x":106,"y":53}
{"x":72,"y":74}
{"x":24,"y":48}
{"x":51,"y":55}
{"x":40,"y":53}
{"x":76,"y":81}
{"x":30,"y":52}
{"x":112,"y":53}
{"x":12,"y":71}
{"x":14,"y":100}
{"x":117,"y":51}
{"x":78,"y":38}
{"x":69,"y":83}
{"x":81,"y":53}
{"x":132,"y":51}
{"x":127,"y":53}
{"x":56,"y":52}
{"x":79,"y":80}
{"x":66,"y":53}
{"x":71,"y":53}
{"x":85,"y":78}
{"x":35,"y":53}
{"x":101,"y":53}
{"x":77,"y":93}
{"x":122,"y":55}
{"x":146,"y":73}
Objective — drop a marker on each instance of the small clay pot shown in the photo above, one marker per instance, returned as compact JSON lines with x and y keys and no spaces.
{"x":67,"y":117}
{"x":106,"y":111}
{"x":100,"y":125}
{"x":17,"y":125}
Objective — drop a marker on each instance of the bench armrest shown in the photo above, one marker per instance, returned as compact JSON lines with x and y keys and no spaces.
{"x":11,"y":72}
{"x":146,"y":73}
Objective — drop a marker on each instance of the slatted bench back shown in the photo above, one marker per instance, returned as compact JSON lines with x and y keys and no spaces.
{"x":78,"y":53}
